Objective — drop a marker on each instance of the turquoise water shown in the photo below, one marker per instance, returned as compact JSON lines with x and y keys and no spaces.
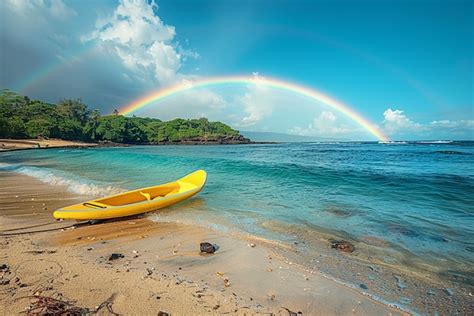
{"x":418,"y":197}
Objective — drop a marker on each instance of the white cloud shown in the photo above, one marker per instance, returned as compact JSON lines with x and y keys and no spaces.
{"x":257,"y":102}
{"x":396,"y":122}
{"x":325,"y":124}
{"x":142,"y":41}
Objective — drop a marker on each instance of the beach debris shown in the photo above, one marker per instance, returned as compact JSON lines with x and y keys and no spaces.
{"x":4,"y":281}
{"x":342,"y":245}
{"x":161,"y":313}
{"x":43,"y":305}
{"x":363,"y":286}
{"x":4,"y":267}
{"x":221,"y":274}
{"x":291,"y":313}
{"x":116,"y":256}
{"x":226,"y":282}
{"x":269,"y":269}
{"x":252,"y":245}
{"x":207,"y":247}
{"x":108,"y":303}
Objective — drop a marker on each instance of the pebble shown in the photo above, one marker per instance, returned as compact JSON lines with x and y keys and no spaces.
{"x":252,"y":245}
{"x":363,"y":286}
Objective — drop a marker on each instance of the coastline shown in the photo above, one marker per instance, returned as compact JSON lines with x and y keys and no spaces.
{"x":161,"y":259}
{"x":29,"y":144}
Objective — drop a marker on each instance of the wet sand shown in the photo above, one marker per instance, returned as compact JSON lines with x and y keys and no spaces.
{"x":162,"y":268}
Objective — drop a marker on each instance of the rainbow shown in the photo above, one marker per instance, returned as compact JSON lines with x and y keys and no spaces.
{"x":310,"y":93}
{"x":42,"y":74}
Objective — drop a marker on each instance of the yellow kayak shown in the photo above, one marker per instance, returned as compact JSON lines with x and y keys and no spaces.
{"x":136,"y":201}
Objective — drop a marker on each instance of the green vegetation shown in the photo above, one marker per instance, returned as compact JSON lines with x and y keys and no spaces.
{"x":21,"y":117}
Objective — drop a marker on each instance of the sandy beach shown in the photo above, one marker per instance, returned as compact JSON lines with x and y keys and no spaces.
{"x":19,"y":144}
{"x":161,"y":269}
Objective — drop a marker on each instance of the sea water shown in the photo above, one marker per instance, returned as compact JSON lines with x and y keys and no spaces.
{"x":416,"y":196}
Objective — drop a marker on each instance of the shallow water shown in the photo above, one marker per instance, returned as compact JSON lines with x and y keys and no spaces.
{"x":415,"y":198}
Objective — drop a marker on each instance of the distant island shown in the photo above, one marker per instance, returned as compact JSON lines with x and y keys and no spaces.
{"x":72,"y":120}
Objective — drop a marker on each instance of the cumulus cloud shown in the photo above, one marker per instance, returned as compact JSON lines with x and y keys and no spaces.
{"x":257,"y":103}
{"x":325,"y":124}
{"x":397,"y":123}
{"x":142,"y":41}
{"x":395,"y":120}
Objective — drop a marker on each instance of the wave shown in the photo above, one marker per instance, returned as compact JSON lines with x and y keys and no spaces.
{"x":73,"y":183}
{"x":436,"y":142}
{"x":393,"y":142}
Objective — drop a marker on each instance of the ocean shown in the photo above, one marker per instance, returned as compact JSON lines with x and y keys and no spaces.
{"x":416,"y":198}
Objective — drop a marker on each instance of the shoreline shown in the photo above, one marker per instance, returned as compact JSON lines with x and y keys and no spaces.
{"x":260,"y":279}
{"x":7,"y":145}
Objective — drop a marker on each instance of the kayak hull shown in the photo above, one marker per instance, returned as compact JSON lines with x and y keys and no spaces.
{"x":137,"y":201}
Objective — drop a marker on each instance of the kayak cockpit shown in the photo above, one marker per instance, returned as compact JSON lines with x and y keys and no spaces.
{"x":143,"y":195}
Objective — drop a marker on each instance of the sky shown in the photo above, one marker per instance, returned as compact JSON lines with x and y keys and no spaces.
{"x":404,"y":66}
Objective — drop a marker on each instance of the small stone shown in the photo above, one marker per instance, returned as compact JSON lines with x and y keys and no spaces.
{"x":134,"y":252}
{"x":116,"y":256}
{"x":363,"y":286}
{"x":342,"y":245}
{"x":207,"y":247}
{"x":161,"y":313}
{"x":252,"y":245}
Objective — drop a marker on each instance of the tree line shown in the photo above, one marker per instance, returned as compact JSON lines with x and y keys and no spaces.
{"x":22,"y":117}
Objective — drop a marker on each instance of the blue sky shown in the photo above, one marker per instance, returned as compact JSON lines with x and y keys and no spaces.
{"x":407,"y":66}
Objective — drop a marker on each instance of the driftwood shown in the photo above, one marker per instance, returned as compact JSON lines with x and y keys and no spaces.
{"x":45,"y":305}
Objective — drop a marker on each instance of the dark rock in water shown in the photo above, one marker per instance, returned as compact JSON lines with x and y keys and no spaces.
{"x":363,"y":286}
{"x":116,"y":256}
{"x":342,"y":245}
{"x":339,"y":212}
{"x":208,"y":247}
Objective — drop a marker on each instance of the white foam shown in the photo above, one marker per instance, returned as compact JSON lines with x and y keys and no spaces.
{"x":73,"y":183}
{"x":393,"y":142}
{"x":437,"y":142}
